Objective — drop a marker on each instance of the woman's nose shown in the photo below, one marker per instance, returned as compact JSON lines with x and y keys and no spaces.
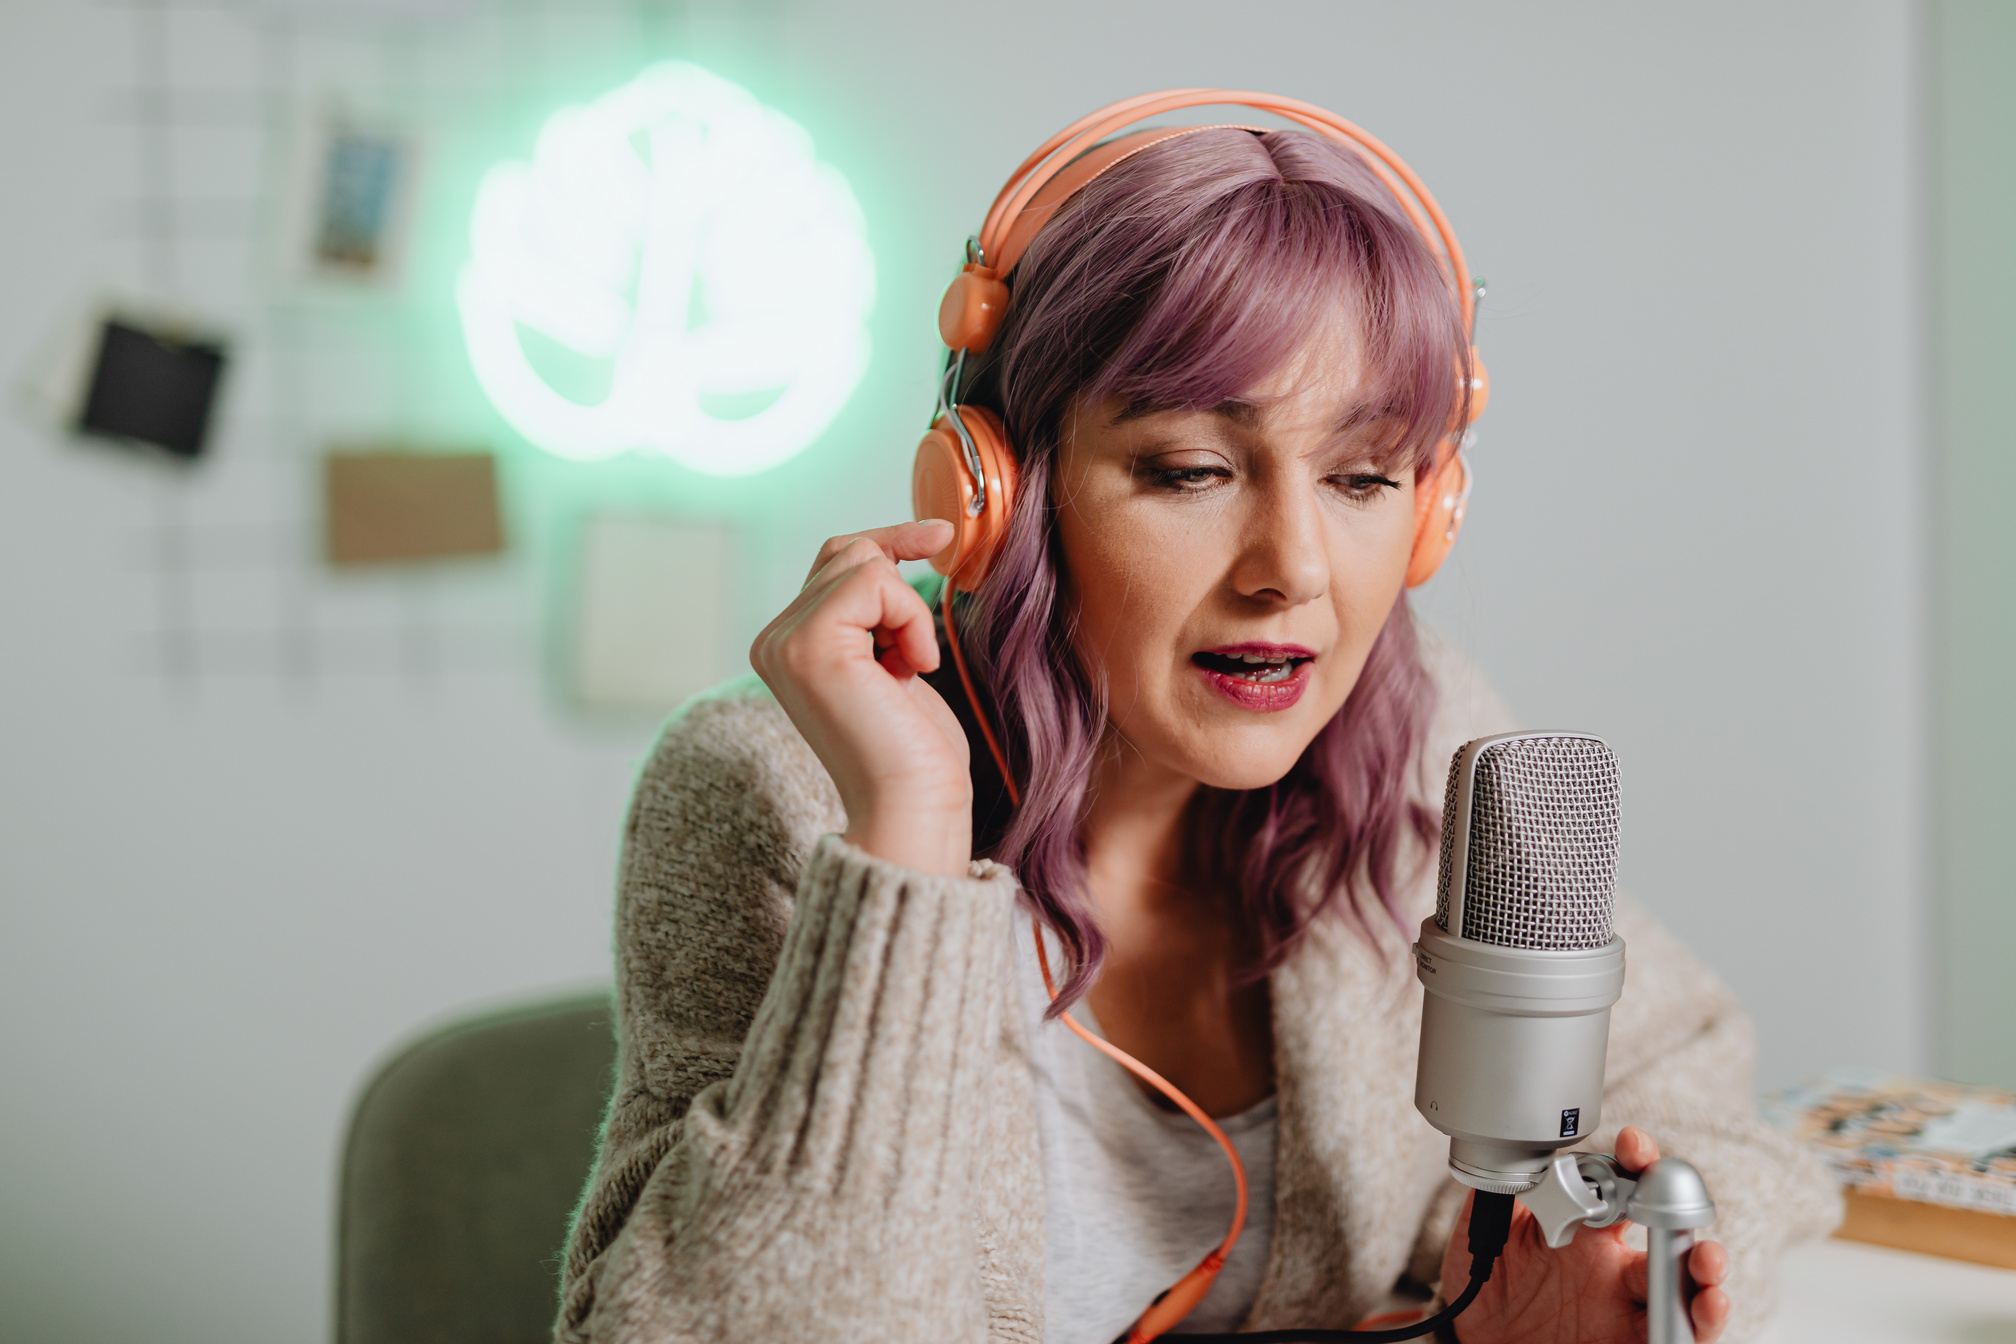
{"x":1282,"y":557}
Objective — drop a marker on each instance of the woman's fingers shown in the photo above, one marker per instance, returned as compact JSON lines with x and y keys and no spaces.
{"x":1711,"y":1313}
{"x":857,"y":591}
{"x":1635,"y":1149}
{"x":898,"y":542}
{"x":1708,"y":1264}
{"x":842,"y":660}
{"x":907,"y":641}
{"x":873,"y":597}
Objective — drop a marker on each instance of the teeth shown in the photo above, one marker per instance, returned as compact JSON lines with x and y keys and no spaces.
{"x":1260,"y":668}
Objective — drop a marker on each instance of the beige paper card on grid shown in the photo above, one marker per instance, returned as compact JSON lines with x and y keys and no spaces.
{"x":651,"y":613}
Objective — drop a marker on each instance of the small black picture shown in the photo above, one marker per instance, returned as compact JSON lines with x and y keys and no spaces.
{"x":1571,"y":1120}
{"x":152,"y":388}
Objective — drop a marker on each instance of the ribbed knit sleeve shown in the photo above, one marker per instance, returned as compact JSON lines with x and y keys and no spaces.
{"x":809,"y":1176}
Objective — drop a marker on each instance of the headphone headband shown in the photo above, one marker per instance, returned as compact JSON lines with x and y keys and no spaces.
{"x":1063,"y":149}
{"x":965,"y":468}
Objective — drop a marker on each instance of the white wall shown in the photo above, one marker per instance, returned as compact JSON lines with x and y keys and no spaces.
{"x":223,"y":894}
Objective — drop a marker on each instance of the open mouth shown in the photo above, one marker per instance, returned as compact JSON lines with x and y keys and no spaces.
{"x":1260,"y":677}
{"x":1261,"y":669}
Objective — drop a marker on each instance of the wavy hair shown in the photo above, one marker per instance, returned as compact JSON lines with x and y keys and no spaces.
{"x":1181,"y":277}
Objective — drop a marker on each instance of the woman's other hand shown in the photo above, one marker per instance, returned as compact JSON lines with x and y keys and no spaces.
{"x":1589,"y":1292}
{"x":843,"y":660}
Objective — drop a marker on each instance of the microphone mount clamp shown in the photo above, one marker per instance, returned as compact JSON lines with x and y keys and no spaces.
{"x":1578,"y":1190}
{"x":1668,"y":1199}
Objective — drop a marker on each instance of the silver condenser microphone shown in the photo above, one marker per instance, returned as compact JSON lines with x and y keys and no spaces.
{"x":1519,"y":960}
{"x":1521,"y":964}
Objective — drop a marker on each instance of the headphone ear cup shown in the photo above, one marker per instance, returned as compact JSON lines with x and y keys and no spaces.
{"x":942,"y":486}
{"x":1440,"y":500}
{"x":971,"y":311}
{"x":1480,"y":386}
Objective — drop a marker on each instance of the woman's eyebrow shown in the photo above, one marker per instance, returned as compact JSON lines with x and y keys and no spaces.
{"x":1242,"y":413}
{"x":1246,"y":414}
{"x":1362,"y":413}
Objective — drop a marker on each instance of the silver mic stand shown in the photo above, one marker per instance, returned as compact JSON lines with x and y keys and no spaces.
{"x":1668,"y":1199}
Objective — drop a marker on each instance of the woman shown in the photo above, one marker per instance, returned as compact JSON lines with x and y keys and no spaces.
{"x":848,"y":1109}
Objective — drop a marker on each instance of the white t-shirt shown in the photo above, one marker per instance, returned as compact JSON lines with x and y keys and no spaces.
{"x":1134,"y":1195}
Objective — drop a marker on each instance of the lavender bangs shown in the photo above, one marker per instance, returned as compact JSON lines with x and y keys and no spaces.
{"x":1183,"y":277}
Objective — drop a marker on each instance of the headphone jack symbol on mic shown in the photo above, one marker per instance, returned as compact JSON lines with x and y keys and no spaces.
{"x":1571,"y":1119}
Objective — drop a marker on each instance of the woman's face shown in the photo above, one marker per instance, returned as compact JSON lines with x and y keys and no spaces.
{"x":1232,"y":567}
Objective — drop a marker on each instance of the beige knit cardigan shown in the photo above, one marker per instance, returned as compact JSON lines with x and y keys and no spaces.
{"x":823,"y":1129}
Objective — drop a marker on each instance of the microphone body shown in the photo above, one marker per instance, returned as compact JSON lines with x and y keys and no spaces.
{"x":1512,"y":1045}
{"x":1520,"y":961}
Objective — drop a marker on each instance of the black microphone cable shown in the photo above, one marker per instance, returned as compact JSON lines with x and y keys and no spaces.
{"x":1490,"y":1227}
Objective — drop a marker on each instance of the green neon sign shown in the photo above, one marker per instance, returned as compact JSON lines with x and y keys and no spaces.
{"x":681,"y":241}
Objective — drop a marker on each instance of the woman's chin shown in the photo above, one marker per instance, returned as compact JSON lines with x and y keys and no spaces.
{"x":1242,"y":781}
{"x":1197,"y":734}
{"x":1247,"y":758}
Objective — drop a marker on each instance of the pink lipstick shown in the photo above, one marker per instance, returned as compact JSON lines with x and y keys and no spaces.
{"x":1256,"y":676}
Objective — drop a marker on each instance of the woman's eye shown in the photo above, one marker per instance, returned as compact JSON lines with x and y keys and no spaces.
{"x":1185,"y":478}
{"x":1364,"y":486}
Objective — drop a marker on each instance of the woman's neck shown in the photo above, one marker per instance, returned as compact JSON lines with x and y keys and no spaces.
{"x":1172,"y":990}
{"x":1133,"y":830}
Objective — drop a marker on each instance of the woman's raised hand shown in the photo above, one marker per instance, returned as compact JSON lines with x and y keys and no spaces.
{"x":1591,"y":1291}
{"x":843,"y":660}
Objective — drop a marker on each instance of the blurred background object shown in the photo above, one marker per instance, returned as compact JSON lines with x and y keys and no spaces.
{"x":1971,"y":105}
{"x":650,"y":612}
{"x":348,"y":208}
{"x":390,"y":506}
{"x":463,"y":1162}
{"x":1927,"y":1166}
{"x":642,"y":252}
{"x":153,"y":387}
{"x":1738,"y":507}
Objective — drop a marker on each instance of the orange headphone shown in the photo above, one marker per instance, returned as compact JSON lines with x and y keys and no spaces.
{"x":965,"y":469}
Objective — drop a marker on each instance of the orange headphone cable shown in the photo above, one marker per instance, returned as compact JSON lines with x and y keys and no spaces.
{"x":966,"y":680}
{"x":1173,"y":1305}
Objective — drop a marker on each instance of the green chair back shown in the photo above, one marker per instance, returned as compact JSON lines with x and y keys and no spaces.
{"x":464,"y":1160}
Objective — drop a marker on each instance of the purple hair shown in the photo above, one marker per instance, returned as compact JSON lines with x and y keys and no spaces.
{"x":1181,"y":277}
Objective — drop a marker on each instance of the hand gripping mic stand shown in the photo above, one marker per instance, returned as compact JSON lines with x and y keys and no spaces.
{"x":1668,"y":1199}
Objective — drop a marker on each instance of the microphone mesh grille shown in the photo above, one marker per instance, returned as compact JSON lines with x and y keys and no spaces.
{"x":1541,"y":871}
